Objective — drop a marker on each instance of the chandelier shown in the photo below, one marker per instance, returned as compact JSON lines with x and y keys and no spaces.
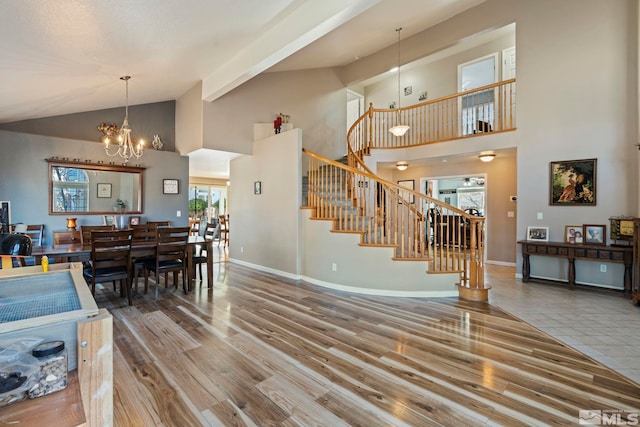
{"x":399,"y":129}
{"x":125,"y":148}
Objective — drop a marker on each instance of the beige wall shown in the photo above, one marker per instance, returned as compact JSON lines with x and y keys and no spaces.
{"x":265,"y":228}
{"x":189,"y":117}
{"x":315,"y":99}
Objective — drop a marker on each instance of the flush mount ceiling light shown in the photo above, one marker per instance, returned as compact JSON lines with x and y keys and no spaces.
{"x":399,"y":129}
{"x":401,"y":166}
{"x":486,"y":157}
{"x":125,"y":147}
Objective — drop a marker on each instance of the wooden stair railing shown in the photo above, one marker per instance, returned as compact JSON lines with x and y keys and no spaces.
{"x":418,"y":227}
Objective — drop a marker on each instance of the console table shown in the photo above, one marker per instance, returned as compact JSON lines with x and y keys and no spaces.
{"x":572,"y":252}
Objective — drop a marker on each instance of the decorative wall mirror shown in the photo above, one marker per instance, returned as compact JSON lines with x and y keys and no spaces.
{"x":93,"y":188}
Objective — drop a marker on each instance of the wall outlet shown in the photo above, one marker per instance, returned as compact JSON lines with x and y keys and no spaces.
{"x":334,"y":266}
{"x":178,"y":214}
{"x":241,"y":249}
{"x":603,"y":268}
{"x":511,"y":214}
{"x":540,"y":216}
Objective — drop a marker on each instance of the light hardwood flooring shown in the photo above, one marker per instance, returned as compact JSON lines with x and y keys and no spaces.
{"x":258,"y":349}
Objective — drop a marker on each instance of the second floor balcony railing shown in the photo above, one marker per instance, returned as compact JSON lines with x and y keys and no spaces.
{"x":490,"y":108}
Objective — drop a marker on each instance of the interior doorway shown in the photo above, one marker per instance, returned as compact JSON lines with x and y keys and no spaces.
{"x":463,"y":192}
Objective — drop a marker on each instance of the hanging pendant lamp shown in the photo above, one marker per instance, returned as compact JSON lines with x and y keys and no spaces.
{"x":398,"y":129}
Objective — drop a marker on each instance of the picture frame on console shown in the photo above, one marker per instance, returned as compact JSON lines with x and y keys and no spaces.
{"x":539,"y":234}
{"x":573,"y":234}
{"x":573,"y":182}
{"x":595,"y":234}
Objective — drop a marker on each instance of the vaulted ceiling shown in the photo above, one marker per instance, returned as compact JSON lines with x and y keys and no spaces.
{"x":66,"y":56}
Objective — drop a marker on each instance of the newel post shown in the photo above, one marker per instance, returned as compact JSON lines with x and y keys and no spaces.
{"x":370,"y":142}
{"x":472,"y":287}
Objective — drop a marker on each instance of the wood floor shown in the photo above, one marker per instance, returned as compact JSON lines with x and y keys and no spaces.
{"x":267,"y":351}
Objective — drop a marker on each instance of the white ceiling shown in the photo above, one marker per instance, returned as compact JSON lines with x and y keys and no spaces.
{"x":66,"y":56}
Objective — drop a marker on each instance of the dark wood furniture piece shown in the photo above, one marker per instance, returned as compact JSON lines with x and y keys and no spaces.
{"x":111,"y":260}
{"x":79,"y":252}
{"x":171,"y":256}
{"x":66,"y":237}
{"x":85,"y":232}
{"x":635,"y":291}
{"x":573,"y":252}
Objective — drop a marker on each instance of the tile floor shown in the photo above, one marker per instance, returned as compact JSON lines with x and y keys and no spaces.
{"x":604,"y":326}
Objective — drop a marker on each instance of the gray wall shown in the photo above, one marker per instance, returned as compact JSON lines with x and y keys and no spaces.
{"x":24,"y":179}
{"x":145,"y":121}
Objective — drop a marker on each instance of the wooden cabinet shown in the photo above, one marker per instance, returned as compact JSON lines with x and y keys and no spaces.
{"x":66,"y":237}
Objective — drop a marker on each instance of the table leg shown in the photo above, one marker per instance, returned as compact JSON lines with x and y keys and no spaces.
{"x":190,"y":271}
{"x":572,"y":273}
{"x":210,"y":263}
{"x":526,"y":268}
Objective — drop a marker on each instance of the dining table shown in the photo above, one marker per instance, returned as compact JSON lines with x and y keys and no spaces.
{"x":75,"y":252}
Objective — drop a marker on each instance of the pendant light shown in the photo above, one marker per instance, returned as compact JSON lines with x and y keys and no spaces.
{"x":399,"y":129}
{"x":125,"y":147}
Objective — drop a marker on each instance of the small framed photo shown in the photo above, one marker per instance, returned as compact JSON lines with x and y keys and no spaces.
{"x":104,"y":190}
{"x":595,"y":234}
{"x":540,"y":234}
{"x":170,"y":186}
{"x":109,"y":220}
{"x":573,"y":233}
{"x":257,"y":187}
{"x":134,"y":220}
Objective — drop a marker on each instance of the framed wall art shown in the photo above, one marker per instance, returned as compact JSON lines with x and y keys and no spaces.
{"x":540,"y":234}
{"x":170,"y":186}
{"x":595,"y":234}
{"x":104,"y":190}
{"x":573,"y":182}
{"x":409,"y":184}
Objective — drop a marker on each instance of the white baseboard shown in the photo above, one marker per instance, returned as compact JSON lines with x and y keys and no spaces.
{"x":351,"y":289}
{"x":267,"y":269}
{"x":503,"y":263}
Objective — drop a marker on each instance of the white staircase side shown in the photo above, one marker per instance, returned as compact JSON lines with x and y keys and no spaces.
{"x":364,"y":269}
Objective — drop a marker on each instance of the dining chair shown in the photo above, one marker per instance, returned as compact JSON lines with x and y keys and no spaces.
{"x":160,"y":223}
{"x":200,"y":254}
{"x":171,"y":256}
{"x":35,"y":232}
{"x":142,"y":233}
{"x":85,"y":232}
{"x":110,"y":260}
{"x":224,"y":229}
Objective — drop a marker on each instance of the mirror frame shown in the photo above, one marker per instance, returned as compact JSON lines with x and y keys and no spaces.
{"x":111,"y":167}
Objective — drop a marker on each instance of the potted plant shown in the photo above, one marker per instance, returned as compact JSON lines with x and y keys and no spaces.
{"x":120,"y":205}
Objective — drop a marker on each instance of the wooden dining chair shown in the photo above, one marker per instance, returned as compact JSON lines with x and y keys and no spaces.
{"x":160,"y":223}
{"x":35,"y":233}
{"x":199,"y":250}
{"x":224,"y":229}
{"x":171,"y":256}
{"x":142,"y":233}
{"x":110,"y":260}
{"x":86,"y":230}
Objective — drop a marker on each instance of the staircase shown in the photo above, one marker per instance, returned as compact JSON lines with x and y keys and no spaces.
{"x":418,"y":227}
